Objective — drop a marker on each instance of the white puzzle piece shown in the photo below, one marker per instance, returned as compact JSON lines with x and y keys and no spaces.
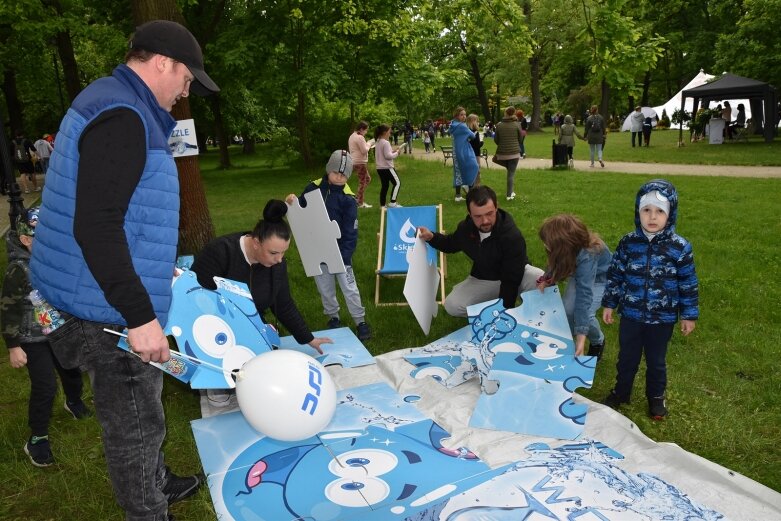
{"x":420,"y":288}
{"x":315,"y":235}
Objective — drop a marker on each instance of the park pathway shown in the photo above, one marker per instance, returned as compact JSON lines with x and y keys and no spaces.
{"x":660,"y":169}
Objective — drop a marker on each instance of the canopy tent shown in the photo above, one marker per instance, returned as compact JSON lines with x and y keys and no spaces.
{"x":762,"y":100}
{"x":674,"y":103}
{"x":648,"y":112}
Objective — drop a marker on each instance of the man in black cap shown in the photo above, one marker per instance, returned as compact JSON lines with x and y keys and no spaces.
{"x":108,"y":231}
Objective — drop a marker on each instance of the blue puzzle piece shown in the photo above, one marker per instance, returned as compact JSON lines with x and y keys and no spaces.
{"x":346,"y":350}
{"x":538,"y":327}
{"x":208,"y":326}
{"x":538,"y":392}
{"x":378,"y":459}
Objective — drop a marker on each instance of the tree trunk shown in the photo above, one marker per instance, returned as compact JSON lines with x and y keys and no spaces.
{"x":604,"y":107}
{"x":303,"y":130}
{"x":195,"y":222}
{"x":70,"y":70}
{"x":223,"y":139}
{"x":481,"y":93}
{"x":12,"y":102}
{"x":62,"y":40}
{"x":534,"y":69}
{"x":646,"y":88}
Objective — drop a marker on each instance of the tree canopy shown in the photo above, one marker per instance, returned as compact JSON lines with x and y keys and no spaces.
{"x":302,"y":72}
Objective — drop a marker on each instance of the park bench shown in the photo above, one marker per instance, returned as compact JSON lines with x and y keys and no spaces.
{"x":447,"y":153}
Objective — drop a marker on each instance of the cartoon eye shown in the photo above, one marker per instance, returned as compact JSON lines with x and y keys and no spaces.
{"x":359,"y":464}
{"x":357,"y":493}
{"x":437,"y":373}
{"x":213,"y":335}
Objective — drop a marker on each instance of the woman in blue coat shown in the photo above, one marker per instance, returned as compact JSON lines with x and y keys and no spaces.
{"x":465,"y":166}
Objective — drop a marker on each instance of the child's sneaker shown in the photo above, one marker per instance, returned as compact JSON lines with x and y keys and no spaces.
{"x":394,"y":205}
{"x":334,"y":322}
{"x":614,"y":401}
{"x":39,"y":451}
{"x":78,"y":409}
{"x":364,"y":331}
{"x":657,"y":408}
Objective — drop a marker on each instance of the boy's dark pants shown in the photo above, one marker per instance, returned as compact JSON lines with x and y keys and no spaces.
{"x":636,"y":338}
{"x":41,"y":366}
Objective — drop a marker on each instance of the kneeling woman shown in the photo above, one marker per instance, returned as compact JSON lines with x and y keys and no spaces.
{"x":576,"y":253}
{"x":257,"y":259}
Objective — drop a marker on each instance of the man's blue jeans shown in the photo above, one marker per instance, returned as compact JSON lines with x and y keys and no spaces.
{"x":127,"y":394}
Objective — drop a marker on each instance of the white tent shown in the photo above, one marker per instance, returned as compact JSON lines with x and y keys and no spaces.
{"x":648,"y":112}
{"x":674,"y":103}
{"x":702,"y":78}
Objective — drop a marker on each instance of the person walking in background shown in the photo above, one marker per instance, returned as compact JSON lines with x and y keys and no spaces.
{"x":432,"y":133}
{"x":508,"y":139}
{"x":113,"y":179}
{"x":581,"y":257}
{"x":359,"y":152}
{"x":465,"y":165}
{"x":21,"y":152}
{"x":596,"y":132}
{"x":28,"y":345}
{"x":648,"y":126}
{"x":567,"y":137}
{"x":384,"y":155}
{"x":653,"y":284}
{"x":636,"y":125}
{"x":524,"y":131}
{"x":43,"y":149}
{"x":341,"y":207}
{"x":726,"y":115}
{"x":473,"y":124}
{"x":427,"y":141}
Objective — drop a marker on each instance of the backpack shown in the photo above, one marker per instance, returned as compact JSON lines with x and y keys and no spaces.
{"x":20,"y":152}
{"x":596,"y":124}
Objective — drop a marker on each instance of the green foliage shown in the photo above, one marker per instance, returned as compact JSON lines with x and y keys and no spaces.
{"x":752,"y":47}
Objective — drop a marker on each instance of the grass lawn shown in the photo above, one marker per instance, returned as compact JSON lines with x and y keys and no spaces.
{"x":723,"y":395}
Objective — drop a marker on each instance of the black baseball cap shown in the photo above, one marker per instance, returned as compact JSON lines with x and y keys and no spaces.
{"x":175,"y":41}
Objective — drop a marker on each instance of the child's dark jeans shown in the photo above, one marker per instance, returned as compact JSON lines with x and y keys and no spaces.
{"x":635,"y":339}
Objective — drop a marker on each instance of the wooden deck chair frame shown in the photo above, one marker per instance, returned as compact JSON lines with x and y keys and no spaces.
{"x":442,"y":268}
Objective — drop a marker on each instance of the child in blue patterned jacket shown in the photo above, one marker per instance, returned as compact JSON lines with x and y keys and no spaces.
{"x":652,"y":281}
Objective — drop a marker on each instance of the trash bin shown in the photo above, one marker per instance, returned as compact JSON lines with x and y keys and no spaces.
{"x":559,"y":155}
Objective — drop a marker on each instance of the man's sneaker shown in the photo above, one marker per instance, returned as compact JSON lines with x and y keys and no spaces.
{"x":459,"y":198}
{"x":364,"y":205}
{"x":657,"y":409}
{"x":39,"y":451}
{"x":364,"y":331}
{"x":78,"y":409}
{"x":596,"y":350}
{"x":614,"y":401}
{"x":177,"y":488}
{"x":511,"y":196}
{"x":394,"y":205}
{"x":334,"y":322}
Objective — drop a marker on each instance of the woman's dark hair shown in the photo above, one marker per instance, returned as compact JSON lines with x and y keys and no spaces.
{"x":380,"y":130}
{"x":273,"y":223}
{"x":361,"y":125}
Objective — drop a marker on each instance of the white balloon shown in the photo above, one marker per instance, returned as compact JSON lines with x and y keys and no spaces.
{"x":286,"y":395}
